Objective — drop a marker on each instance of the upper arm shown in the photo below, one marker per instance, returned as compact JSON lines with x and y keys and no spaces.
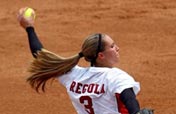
{"x":127,"y":101}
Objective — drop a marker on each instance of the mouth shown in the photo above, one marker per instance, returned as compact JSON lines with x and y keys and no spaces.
{"x":117,"y":54}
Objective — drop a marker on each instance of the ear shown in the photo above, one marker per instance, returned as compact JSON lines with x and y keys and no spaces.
{"x":100,"y":55}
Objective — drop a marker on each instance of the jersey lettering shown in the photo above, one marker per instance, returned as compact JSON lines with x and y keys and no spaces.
{"x":87,"y":101}
{"x":89,"y":88}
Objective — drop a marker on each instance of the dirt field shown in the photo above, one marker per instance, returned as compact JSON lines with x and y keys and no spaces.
{"x":145,"y":31}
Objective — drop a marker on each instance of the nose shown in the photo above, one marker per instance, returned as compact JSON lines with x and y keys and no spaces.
{"x":117,"y":48}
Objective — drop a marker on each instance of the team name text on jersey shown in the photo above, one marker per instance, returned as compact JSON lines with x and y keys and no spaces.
{"x":89,"y":88}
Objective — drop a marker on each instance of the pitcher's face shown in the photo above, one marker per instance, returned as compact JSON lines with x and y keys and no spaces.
{"x":110,"y":55}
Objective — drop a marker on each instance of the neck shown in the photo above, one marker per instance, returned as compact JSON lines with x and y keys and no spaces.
{"x":103,"y":65}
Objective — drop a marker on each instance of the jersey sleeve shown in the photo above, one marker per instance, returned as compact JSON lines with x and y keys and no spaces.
{"x":34,"y":42}
{"x":119,"y":80}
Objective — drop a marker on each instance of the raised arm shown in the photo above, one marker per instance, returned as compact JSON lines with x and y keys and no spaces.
{"x":28,"y":24}
{"x":34,"y":42}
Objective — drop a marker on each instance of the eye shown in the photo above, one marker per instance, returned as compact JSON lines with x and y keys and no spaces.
{"x":112,"y":45}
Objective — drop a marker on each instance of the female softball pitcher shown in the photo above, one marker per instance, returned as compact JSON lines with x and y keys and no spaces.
{"x":98,"y":89}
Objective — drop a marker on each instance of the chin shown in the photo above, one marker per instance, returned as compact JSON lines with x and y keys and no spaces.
{"x":117,"y":61}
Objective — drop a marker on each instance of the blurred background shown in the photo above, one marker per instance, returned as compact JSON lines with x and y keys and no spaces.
{"x":143,"y":29}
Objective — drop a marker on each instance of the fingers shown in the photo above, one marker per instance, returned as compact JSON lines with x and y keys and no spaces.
{"x":21,"y":13}
{"x":24,"y":22}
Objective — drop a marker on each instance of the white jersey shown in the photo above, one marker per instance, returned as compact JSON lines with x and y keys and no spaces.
{"x":92,"y":90}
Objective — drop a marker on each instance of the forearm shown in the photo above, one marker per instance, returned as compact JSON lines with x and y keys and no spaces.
{"x":129,"y":99}
{"x":34,"y":43}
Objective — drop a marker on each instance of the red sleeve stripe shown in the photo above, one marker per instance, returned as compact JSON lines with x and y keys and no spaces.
{"x":121,"y":107}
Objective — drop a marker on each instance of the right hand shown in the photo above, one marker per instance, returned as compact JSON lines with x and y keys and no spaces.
{"x":24,"y":22}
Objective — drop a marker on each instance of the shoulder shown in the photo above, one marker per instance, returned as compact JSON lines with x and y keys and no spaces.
{"x":118,"y":80}
{"x":74,"y":72}
{"x":118,"y":73}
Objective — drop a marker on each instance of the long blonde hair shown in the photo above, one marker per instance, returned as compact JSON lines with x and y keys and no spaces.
{"x":49,"y":65}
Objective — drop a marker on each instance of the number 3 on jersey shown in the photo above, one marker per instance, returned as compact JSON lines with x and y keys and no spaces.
{"x":87,"y":101}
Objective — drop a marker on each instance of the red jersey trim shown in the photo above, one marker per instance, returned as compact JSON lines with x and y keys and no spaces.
{"x":121,"y":107}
